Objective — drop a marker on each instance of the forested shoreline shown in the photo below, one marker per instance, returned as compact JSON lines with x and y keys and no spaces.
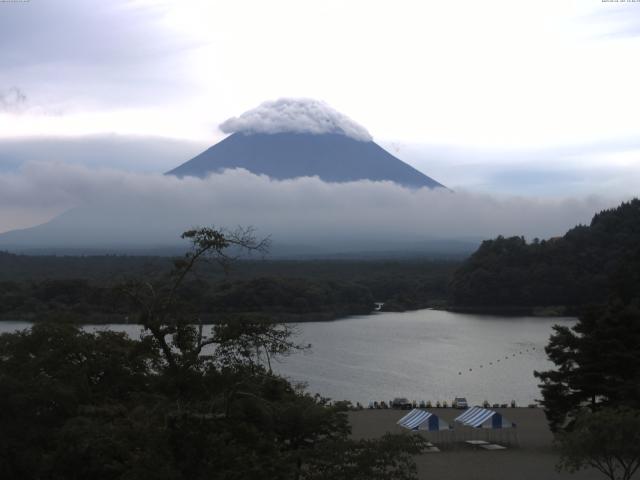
{"x":505,"y":276}
{"x":559,"y":276}
{"x":87,"y":289}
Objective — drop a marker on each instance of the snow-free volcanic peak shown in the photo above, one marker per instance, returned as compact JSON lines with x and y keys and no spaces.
{"x":293,"y":138}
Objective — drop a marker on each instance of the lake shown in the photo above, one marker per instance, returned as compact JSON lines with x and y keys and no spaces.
{"x":422,"y":355}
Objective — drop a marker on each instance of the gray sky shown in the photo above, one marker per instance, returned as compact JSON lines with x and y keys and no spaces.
{"x":504,"y":97}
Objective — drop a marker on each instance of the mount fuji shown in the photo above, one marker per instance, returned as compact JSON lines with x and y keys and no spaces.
{"x":266,"y":146}
{"x":330,"y":156}
{"x":292,"y":138}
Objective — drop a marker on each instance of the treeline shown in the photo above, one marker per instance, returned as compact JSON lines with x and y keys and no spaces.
{"x":560,"y":274}
{"x":21,"y":267}
{"x":283,"y":298}
{"x":183,"y":401}
{"x":95,"y":267}
{"x":284,"y":290}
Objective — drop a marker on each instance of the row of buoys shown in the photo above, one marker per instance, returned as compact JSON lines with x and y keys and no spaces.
{"x":507,"y":357}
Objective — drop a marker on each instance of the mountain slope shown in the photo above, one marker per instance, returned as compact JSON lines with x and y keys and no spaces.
{"x":331,"y":157}
{"x":574,"y":270}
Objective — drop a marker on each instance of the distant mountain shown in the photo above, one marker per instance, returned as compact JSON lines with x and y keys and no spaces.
{"x":150,"y":231}
{"x":283,"y":139}
{"x":332,"y":157}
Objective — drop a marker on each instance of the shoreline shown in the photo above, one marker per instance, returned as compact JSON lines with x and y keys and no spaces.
{"x":519,"y":311}
{"x":116,"y":319}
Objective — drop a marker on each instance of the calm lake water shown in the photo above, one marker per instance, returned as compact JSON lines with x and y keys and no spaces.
{"x":422,"y":355}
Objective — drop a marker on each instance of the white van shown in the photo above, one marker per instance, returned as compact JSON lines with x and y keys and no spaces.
{"x":459,"y":402}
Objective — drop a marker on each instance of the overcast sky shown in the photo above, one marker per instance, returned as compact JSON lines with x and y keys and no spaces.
{"x":532,"y":97}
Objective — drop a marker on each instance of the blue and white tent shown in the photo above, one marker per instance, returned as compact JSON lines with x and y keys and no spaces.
{"x":478,"y":417}
{"x":418,"y":419}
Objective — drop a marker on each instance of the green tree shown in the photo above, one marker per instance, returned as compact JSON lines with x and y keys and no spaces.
{"x":597,"y":363}
{"x":54,"y":375}
{"x":607,"y":440}
{"x":167,"y":315}
{"x":176,"y":404}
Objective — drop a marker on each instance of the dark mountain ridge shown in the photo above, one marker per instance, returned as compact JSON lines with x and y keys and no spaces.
{"x":331,"y":157}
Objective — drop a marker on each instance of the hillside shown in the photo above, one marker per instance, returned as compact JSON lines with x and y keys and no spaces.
{"x":577,"y":269}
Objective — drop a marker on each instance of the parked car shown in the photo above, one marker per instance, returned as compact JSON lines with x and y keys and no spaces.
{"x":401,"y":403}
{"x":459,"y":402}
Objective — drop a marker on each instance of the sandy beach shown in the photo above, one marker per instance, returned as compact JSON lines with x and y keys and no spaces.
{"x":533,"y":458}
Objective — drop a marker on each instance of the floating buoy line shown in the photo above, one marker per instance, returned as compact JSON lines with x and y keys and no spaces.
{"x":507,"y":357}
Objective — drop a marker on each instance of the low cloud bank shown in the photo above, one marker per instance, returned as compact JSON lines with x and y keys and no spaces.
{"x":116,"y":206}
{"x":299,"y":115}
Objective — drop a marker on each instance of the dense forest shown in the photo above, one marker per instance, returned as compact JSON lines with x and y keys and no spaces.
{"x":184,"y":401}
{"x":87,"y":289}
{"x":560,"y":274}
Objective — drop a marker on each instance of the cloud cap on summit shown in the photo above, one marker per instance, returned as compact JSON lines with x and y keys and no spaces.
{"x":295,"y":115}
{"x":295,"y":138}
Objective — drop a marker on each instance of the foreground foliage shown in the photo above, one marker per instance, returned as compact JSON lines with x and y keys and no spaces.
{"x":598,"y":360}
{"x":608,"y":440}
{"x":592,"y":397}
{"x":181,"y":402}
{"x":77,"y":405}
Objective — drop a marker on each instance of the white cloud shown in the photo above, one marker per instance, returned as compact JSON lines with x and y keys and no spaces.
{"x":153,"y":209}
{"x":156,"y":67}
{"x":91,"y":56}
{"x":299,"y":115}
